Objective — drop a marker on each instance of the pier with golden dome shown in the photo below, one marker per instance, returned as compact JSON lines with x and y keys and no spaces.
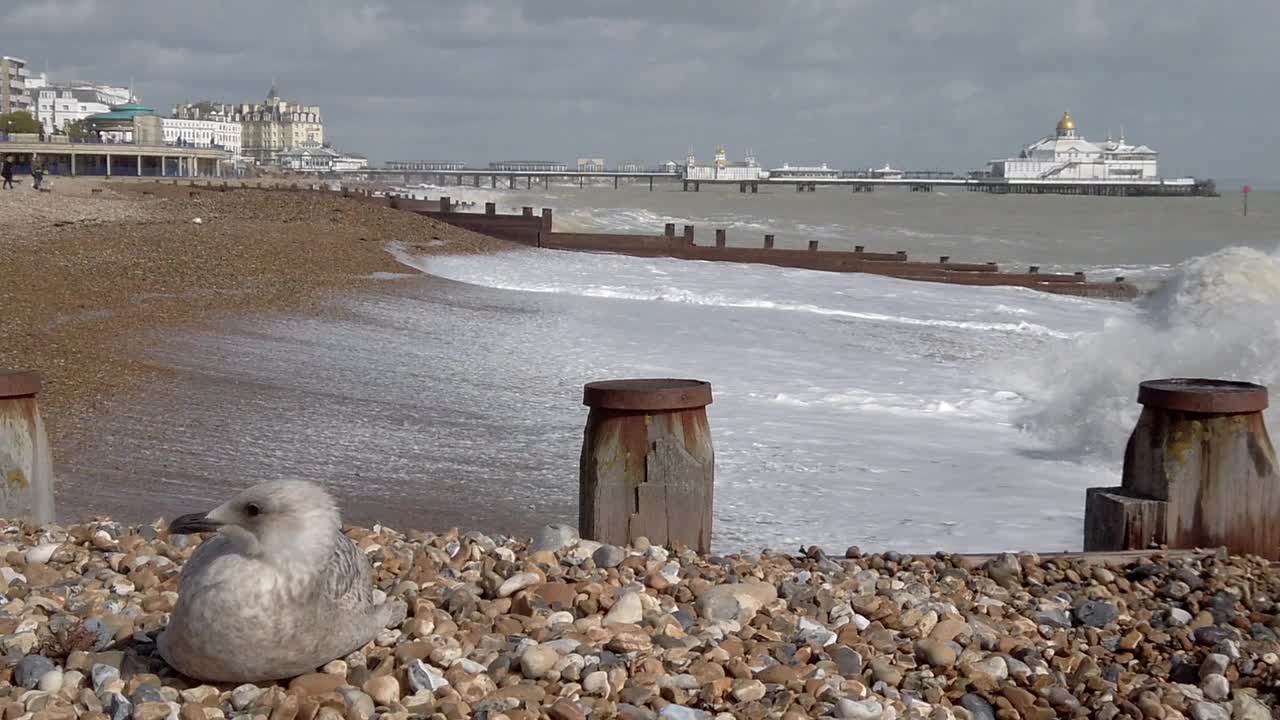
{"x":1063,"y":163}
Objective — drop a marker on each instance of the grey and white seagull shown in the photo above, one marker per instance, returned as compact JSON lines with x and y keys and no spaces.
{"x":279,"y":590}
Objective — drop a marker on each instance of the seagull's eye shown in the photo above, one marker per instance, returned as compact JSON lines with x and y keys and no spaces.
{"x":252,"y":510}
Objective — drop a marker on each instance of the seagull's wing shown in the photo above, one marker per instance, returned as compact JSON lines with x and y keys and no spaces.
{"x":348,"y":578}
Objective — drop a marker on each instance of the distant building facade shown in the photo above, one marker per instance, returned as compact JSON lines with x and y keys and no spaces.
{"x":320,"y":159}
{"x":722,"y":169}
{"x":267,"y":129}
{"x":203,"y":133}
{"x":423,"y":165}
{"x":57,"y":104}
{"x":1068,"y":156}
{"x":630,"y":166}
{"x":528,"y":166}
{"x":591,"y":165}
{"x":13,"y":85}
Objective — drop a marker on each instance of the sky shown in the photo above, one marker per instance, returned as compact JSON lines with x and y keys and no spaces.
{"x":945,"y":85}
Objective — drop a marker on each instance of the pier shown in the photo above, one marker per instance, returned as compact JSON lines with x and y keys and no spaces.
{"x":848,"y":180}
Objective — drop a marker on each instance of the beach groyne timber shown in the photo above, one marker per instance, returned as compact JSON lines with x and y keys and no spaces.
{"x":537,"y":230}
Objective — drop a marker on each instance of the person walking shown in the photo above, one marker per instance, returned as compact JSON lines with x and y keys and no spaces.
{"x":37,"y":172}
{"x":6,"y":172}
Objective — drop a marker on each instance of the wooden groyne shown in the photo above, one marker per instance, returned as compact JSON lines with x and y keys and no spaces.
{"x":537,"y":230}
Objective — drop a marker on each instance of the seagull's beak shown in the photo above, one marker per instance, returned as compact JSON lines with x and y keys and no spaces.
{"x":193,"y":523}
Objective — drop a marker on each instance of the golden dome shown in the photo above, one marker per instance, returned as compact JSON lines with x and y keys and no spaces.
{"x":1066,"y":123}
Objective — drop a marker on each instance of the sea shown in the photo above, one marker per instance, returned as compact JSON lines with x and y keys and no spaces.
{"x":848,"y":409}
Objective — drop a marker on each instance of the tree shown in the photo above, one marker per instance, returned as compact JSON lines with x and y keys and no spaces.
{"x":19,"y":122}
{"x":78,"y":130}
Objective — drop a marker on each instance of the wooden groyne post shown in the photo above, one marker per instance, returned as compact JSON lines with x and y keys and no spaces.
{"x":647,"y":467}
{"x":1199,"y":471}
{"x":26,"y":463}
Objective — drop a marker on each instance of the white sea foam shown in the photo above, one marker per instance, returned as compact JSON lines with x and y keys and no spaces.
{"x":1216,"y":316}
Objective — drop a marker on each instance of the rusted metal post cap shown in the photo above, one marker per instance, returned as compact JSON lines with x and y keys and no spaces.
{"x":20,"y":383}
{"x":1201,"y":395}
{"x":647,"y":394}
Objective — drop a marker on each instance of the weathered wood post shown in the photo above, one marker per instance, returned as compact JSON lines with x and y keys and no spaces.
{"x":768,"y":242}
{"x":813,"y":244}
{"x":688,"y":234}
{"x":721,"y":237}
{"x":647,"y":467}
{"x":491,"y":208}
{"x":26,"y":464}
{"x":445,"y":204}
{"x":1199,"y":471}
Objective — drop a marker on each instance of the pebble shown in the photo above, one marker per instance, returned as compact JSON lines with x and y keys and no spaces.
{"x":1097,"y":613}
{"x":554,"y":538}
{"x":936,"y":653}
{"x":608,"y":556}
{"x":537,"y":661}
{"x":859,"y":710}
{"x":1216,"y":687}
{"x":628,"y":610}
{"x":979,"y":708}
{"x":30,"y":669}
{"x":384,"y":689}
{"x":681,"y":712}
{"x":1209,"y":711}
{"x":1214,"y":664}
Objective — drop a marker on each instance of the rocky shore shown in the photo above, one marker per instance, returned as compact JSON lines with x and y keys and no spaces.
{"x":95,"y":271}
{"x":561,"y":628}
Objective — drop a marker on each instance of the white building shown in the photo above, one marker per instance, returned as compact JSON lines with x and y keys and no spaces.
{"x":57,"y":104}
{"x":13,"y":85}
{"x":320,"y":159}
{"x":590,"y":164}
{"x":203,"y":133}
{"x":722,"y":169}
{"x":1068,"y":156}
{"x":804,"y":171}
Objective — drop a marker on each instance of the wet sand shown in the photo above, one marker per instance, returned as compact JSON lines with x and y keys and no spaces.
{"x":93,"y":279}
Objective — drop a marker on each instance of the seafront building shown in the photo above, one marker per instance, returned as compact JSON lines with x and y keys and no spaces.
{"x":1066,"y":155}
{"x":268,"y":128}
{"x":423,"y":165}
{"x":220,"y":134}
{"x":722,"y":170}
{"x":804,"y":171}
{"x":61,"y":103}
{"x":529,"y":166}
{"x":591,"y":165}
{"x":13,"y":85}
{"x":320,"y":159}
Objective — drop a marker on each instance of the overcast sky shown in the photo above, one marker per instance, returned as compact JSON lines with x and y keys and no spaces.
{"x":946,"y":84}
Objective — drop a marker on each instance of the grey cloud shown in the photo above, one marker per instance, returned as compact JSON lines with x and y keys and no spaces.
{"x":849,"y":82}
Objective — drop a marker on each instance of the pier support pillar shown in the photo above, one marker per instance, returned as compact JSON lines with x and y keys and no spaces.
{"x":742,"y":187}
{"x":755,"y":188}
{"x":697,"y":187}
{"x":493,"y":182}
{"x":26,"y":461}
{"x":650,"y":183}
{"x":647,"y":467}
{"x":511,"y":182}
{"x":1199,"y":472}
{"x":684,"y":186}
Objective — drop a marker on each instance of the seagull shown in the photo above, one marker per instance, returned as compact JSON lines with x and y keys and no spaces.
{"x":278,"y":591}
